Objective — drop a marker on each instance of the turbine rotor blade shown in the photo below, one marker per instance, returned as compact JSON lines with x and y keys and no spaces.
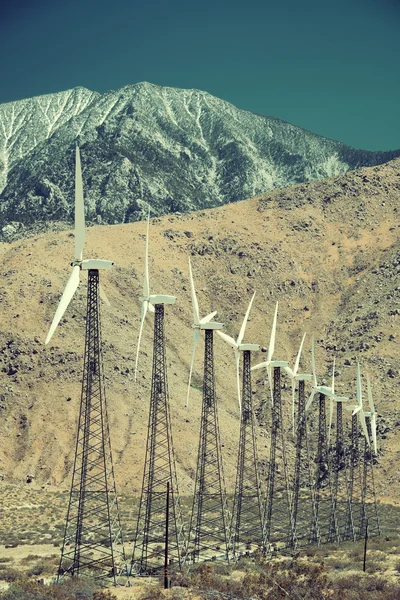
{"x":289,"y":371}
{"x":195,"y":304}
{"x":228,"y":339}
{"x":262,"y":365}
{"x":269,"y":372}
{"x":146,"y":284}
{"x":370,"y":399}
{"x":207,"y":318}
{"x":330,"y":417}
{"x":293,"y":404}
{"x":296,"y":364}
{"x":80,"y":234}
{"x":243,"y":327}
{"x":310,"y":399}
{"x":145,"y":306}
{"x":66,"y":298}
{"x":364,"y":427}
{"x":103,"y":295}
{"x":333,"y":376}
{"x":313,"y":362}
{"x":237,"y":360}
{"x":359,"y":392}
{"x":373,"y":430}
{"x":196,"y":337}
{"x":271,"y":346}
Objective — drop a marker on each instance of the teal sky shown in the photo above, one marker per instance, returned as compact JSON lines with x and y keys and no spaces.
{"x":331,"y":68}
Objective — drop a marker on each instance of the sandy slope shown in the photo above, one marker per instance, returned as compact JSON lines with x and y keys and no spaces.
{"x":312,"y":247}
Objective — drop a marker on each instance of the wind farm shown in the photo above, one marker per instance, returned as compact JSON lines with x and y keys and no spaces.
{"x":139,"y":388}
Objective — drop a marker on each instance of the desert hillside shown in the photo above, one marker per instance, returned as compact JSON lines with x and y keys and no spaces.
{"x":328,"y":251}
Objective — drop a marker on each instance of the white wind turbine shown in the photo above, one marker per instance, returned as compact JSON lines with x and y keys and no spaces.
{"x":371,"y":414}
{"x":149,"y":300}
{"x":238,"y":346}
{"x":295,"y":377}
{"x":198,"y":325}
{"x":328,"y":391}
{"x":358,"y":408}
{"x":270,"y":363}
{"x":78,"y":264}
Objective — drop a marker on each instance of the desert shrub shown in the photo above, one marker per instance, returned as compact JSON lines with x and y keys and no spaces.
{"x":68,"y":589}
{"x":9,"y":574}
{"x":152,"y":592}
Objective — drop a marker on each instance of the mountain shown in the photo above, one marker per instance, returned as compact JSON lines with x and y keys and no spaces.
{"x":329,"y":251}
{"x":179,"y":150}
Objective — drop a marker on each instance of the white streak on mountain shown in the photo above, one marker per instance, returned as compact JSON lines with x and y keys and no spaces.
{"x":177,"y":149}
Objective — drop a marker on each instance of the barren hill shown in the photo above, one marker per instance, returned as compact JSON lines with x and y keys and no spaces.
{"x":328,"y":251}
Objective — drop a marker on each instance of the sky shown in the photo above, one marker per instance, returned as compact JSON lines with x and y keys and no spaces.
{"x":332,"y":68}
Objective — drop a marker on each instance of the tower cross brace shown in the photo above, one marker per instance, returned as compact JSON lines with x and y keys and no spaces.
{"x":159,"y":469}
{"x":208,"y":537}
{"x":93,"y":544}
{"x":247,"y":519}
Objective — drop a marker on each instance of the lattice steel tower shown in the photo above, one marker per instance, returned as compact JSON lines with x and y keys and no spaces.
{"x":247,"y":518}
{"x":325,"y":525}
{"x":278,"y":525}
{"x":355,"y":514}
{"x":208,"y":533}
{"x":303,"y":504}
{"x":368,"y":487}
{"x":340,"y":481}
{"x":159,"y":469}
{"x":93,"y":544}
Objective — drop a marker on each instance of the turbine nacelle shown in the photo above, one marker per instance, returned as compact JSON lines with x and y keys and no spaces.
{"x":251,"y":347}
{"x":92,"y":263}
{"x":211,"y":325}
{"x":158,"y":299}
{"x":303,"y":377}
{"x":278,"y":363}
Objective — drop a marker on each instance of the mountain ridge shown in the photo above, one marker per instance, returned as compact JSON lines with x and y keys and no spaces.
{"x":178,"y":150}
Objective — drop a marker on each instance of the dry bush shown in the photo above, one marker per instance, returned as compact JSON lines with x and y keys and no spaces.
{"x":68,"y":589}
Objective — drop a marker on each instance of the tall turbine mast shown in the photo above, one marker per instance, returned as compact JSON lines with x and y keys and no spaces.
{"x":159,"y":467}
{"x":278,"y":524}
{"x":247,"y":518}
{"x":303,"y":504}
{"x":92,"y":544}
{"x":371,"y":507}
{"x":208,"y":538}
{"x":340,"y":479}
{"x":356,"y":513}
{"x":325,"y":525}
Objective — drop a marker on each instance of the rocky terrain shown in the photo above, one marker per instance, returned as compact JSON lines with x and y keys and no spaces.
{"x":327,"y":250}
{"x":180,"y":150}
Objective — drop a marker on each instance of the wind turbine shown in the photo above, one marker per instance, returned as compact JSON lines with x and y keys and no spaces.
{"x":297,"y":377}
{"x":238,"y":346}
{"x":92,"y":539}
{"x":278,"y":523}
{"x":325,"y":524}
{"x":303,"y":508}
{"x":371,"y":414}
{"x":270,"y":363}
{"x":198,"y":325}
{"x":247,"y":518}
{"x":78,"y":264}
{"x":369,"y":495}
{"x":356,"y":487}
{"x":207,"y":532}
{"x":149,"y":300}
{"x":159,"y":467}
